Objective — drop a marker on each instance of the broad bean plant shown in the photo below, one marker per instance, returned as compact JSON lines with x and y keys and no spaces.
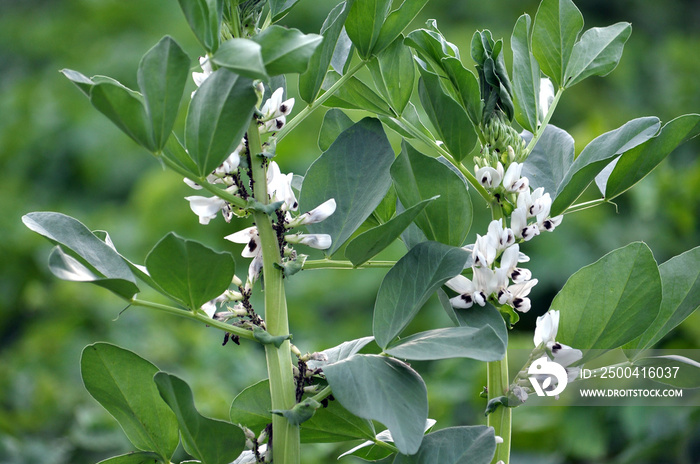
{"x":466,"y":123}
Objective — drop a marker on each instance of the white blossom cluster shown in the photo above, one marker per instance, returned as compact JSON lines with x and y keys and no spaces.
{"x":271,"y":116}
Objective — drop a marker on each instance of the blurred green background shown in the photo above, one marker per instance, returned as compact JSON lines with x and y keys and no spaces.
{"x":57,"y":153}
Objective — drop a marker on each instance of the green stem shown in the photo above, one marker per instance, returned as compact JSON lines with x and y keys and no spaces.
{"x":224,"y":195}
{"x":323,"y":394}
{"x":243,"y":333}
{"x":303,"y":114}
{"x":501,"y":418}
{"x":447,"y":155}
{"x":543,"y":126}
{"x":341,"y":264}
{"x":285,"y":436}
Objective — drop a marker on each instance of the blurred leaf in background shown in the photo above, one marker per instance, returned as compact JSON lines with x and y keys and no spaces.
{"x":58,"y":154}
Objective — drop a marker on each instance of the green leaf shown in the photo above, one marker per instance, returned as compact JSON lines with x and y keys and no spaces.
{"x":686,"y":376}
{"x":556,"y":28}
{"x":204,"y":18}
{"x":328,"y":425}
{"x":122,"y":382}
{"x":162,"y":76}
{"x":550,"y":160}
{"x":285,"y":50}
{"x":364,"y":23}
{"x":526,"y":77}
{"x":243,"y":57}
{"x":81,"y":81}
{"x":209,"y":440}
{"x":394,"y":74}
{"x":610,"y":302}
{"x":354,"y":94}
{"x":479,"y":318}
{"x":417,"y":178}
{"x":409,"y":284}
{"x":431,"y":45}
{"x":279,"y":8}
{"x":680,"y":280}
{"x":175,"y":152}
{"x":370,"y":243}
{"x":66,"y":267}
{"x":635,"y":164}
{"x":597,"y":53}
{"x":188,"y":271}
{"x":136,"y":457}
{"x":311,"y":80}
{"x":252,"y":406}
{"x":454,"y":445}
{"x":334,"y":424}
{"x":597,"y":155}
{"x":386,"y":390}
{"x":483,"y":344}
{"x":396,"y":22}
{"x":95,"y":256}
{"x":354,"y":171}
{"x":340,"y":352}
{"x":410,"y":116}
{"x":334,"y":123}
{"x":447,"y":116}
{"x":466,"y":86}
{"x":125,"y":109}
{"x":219,"y":115}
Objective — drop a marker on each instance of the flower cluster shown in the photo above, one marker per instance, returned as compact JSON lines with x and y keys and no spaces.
{"x":496,"y":274}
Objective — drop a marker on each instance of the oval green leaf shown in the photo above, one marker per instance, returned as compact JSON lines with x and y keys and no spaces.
{"x":610,"y":302}
{"x":209,"y":440}
{"x":188,"y":271}
{"x":483,"y":344}
{"x":409,"y":284}
{"x":526,"y":77}
{"x":204,"y":18}
{"x":386,"y":390}
{"x":417,"y":178}
{"x":454,"y":445}
{"x":550,"y":160}
{"x":355,"y":172}
{"x":243,"y":57}
{"x":122,"y":382}
{"x":162,"y":76}
{"x":138,"y":457}
{"x":219,"y":114}
{"x":285,"y":50}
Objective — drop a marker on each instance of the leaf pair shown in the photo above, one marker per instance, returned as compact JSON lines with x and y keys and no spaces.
{"x":179,"y":268}
{"x":625,"y":299}
{"x":151,"y":407}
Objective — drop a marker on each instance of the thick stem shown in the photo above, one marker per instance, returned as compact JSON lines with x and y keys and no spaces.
{"x":285,"y":437}
{"x":543,"y":126}
{"x":500,"y":419}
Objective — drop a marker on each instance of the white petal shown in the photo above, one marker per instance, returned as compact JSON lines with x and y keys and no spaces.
{"x":243,"y":236}
{"x":319,"y":213}
{"x":512,"y":175}
{"x":546,"y":97}
{"x":460,"y":284}
{"x":488,"y":177}
{"x":463,"y":301}
{"x":318,"y":241}
{"x":546,"y":327}
{"x":205,"y":208}
{"x":563,"y":354}
{"x":192,"y":184}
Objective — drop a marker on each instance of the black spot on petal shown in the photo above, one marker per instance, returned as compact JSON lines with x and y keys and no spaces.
{"x":252,"y":245}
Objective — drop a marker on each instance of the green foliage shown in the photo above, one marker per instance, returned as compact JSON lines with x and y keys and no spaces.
{"x":138,"y":457}
{"x":218,"y":117}
{"x":403,"y":292}
{"x":618,"y":296}
{"x":383,"y":389}
{"x":182,"y":270}
{"x":243,"y":57}
{"x":526,"y":77}
{"x":122,"y":382}
{"x":203,"y":438}
{"x":204,"y":18}
{"x":417,"y":178}
{"x":286,"y":50}
{"x":481,"y":343}
{"x":355,"y":172}
{"x":453,"y":445}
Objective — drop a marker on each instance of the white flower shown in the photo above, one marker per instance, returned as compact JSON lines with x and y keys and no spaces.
{"x":485,"y":249}
{"x":250,"y":238}
{"x":546,"y":328}
{"x":512,"y":180}
{"x":509,"y":261}
{"x":546,"y":97}
{"x":207,"y":71}
{"x":318,"y":241}
{"x":279,"y":187}
{"x":248,"y":457}
{"x":318,"y":214}
{"x":205,"y":208}
{"x":549,"y":223}
{"x":489,"y":177}
{"x":231,"y":163}
{"x":518,"y":222}
{"x":466,"y":290}
{"x":274,"y":107}
{"x":504,"y":237}
{"x":519,"y":293}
